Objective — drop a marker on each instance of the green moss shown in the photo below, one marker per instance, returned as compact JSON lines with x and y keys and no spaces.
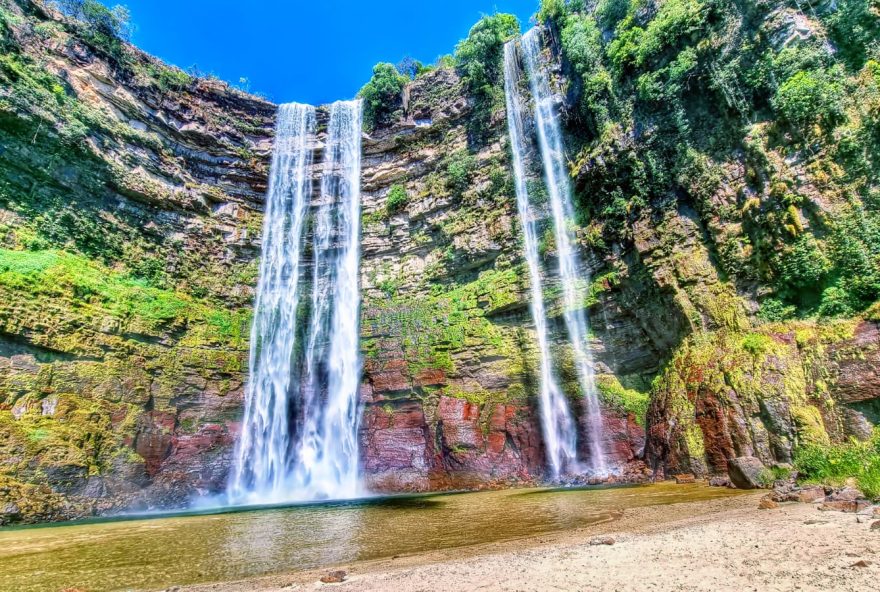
{"x":91,"y":289}
{"x":627,"y":400}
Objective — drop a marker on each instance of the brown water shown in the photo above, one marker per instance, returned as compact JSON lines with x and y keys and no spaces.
{"x":148,"y":554}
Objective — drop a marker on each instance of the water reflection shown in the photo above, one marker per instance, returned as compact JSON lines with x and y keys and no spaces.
{"x":160,"y":552}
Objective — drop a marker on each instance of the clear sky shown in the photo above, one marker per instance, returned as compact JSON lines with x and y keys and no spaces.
{"x":307,"y":51}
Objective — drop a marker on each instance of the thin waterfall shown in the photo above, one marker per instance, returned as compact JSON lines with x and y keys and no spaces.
{"x":573,"y":281}
{"x":261,"y":458}
{"x":327,"y":451}
{"x":299,"y":434}
{"x":557,"y":425}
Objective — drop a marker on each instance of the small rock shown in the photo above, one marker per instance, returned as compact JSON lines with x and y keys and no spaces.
{"x":334,"y":577}
{"x":745,"y":472}
{"x":767,"y":504}
{"x":843,"y":506}
{"x":719,"y":481}
{"x":861,"y":563}
{"x":876,"y":525}
{"x":685,"y":478}
{"x":809,"y":495}
{"x":814,"y":521}
{"x":606,"y":540}
{"x":876,"y":511}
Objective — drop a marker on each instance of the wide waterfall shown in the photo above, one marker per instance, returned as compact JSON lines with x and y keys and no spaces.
{"x":573,"y":279}
{"x":557,"y":425}
{"x":299,"y":434}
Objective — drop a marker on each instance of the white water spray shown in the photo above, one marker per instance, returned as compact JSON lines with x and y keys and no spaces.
{"x":299,"y":433}
{"x":572,"y":279}
{"x":557,"y":425}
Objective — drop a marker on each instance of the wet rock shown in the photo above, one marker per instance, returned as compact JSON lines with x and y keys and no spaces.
{"x":745,"y":472}
{"x":767,"y":504}
{"x":602,"y":540}
{"x":685,"y":478}
{"x":720,"y":481}
{"x":334,"y":577}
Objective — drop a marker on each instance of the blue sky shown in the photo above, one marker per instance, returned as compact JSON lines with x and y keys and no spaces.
{"x":312,"y":52}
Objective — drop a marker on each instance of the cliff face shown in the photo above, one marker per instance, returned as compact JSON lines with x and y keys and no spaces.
{"x":130,"y":217}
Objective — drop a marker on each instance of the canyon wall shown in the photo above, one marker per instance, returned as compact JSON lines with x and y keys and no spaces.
{"x":131,"y":198}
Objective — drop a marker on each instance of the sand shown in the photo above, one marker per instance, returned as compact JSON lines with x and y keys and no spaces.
{"x":725,"y":544}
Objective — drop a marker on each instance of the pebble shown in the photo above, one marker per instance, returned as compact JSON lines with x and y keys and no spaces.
{"x":595,"y":541}
{"x":334,"y":577}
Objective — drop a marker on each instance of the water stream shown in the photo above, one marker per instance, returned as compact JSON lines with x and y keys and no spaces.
{"x":299,"y":434}
{"x":151,"y":554}
{"x":557,"y":425}
{"x":574,"y":280}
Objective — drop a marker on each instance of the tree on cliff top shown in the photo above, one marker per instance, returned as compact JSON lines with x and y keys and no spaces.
{"x":382,"y":94}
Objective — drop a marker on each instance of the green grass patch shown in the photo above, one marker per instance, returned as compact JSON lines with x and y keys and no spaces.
{"x":838,"y":463}
{"x":83,"y":283}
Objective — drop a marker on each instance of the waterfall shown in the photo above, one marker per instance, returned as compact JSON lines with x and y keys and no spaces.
{"x":327,"y":451}
{"x":557,"y":424}
{"x":573,"y":281}
{"x":299,"y":433}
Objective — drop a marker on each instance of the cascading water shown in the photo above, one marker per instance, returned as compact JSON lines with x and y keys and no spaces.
{"x":327,"y":450}
{"x":299,"y":434}
{"x":261,"y":464}
{"x":571,"y":278}
{"x":557,"y":424}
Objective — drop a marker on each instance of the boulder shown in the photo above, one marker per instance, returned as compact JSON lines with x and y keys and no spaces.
{"x":685,"y":478}
{"x":745,"y":472}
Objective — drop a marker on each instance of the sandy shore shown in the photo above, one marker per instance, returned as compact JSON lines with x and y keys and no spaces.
{"x":725,"y":544}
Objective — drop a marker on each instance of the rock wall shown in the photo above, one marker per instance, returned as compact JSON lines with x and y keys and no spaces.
{"x":130,"y":215}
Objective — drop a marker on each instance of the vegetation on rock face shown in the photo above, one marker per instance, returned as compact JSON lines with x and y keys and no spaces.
{"x":382,"y":94}
{"x":479,"y":59}
{"x":773,"y":134}
{"x":837,"y":464}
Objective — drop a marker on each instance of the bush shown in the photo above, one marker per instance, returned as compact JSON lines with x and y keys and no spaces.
{"x":459,"y":168}
{"x":774,"y":310}
{"x":382,"y":94}
{"x":479,"y":62}
{"x":104,"y":28}
{"x":835,"y":303}
{"x":397,"y":199}
{"x":810,"y":98}
{"x":803,"y":265}
{"x":836,"y":464}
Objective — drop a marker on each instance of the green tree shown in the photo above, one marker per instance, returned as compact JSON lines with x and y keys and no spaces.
{"x":479,"y":61}
{"x":382,"y":94}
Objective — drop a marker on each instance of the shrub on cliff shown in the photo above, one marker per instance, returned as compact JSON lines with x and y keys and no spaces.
{"x":811,"y":98}
{"x":479,"y":61}
{"x":836,"y":464}
{"x":104,"y":28}
{"x":382,"y":94}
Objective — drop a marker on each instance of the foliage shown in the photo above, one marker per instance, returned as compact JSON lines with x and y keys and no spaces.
{"x":837,"y":463}
{"x":773,"y":310}
{"x":459,"y":169}
{"x":382,"y":94}
{"x":62,"y":276}
{"x":479,"y":62}
{"x":855,"y":29}
{"x":811,"y":98}
{"x":397,"y":199}
{"x":104,"y":28}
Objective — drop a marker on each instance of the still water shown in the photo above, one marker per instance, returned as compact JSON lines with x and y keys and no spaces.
{"x":153,"y":553}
